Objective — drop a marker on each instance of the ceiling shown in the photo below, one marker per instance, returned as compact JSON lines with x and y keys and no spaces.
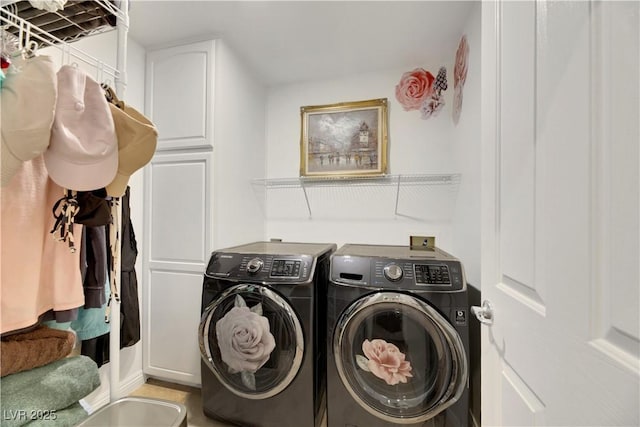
{"x":292,"y":41}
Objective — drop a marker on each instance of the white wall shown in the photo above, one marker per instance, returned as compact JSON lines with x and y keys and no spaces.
{"x":104,"y":48}
{"x":238,"y":149}
{"x":359,"y":215}
{"x":466,"y":219}
{"x":466,"y":155}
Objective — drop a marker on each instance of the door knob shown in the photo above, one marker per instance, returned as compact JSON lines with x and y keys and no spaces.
{"x":484,"y":313}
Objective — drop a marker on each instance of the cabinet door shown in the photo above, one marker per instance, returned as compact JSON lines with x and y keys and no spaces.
{"x":178,"y":236}
{"x":179,"y":95}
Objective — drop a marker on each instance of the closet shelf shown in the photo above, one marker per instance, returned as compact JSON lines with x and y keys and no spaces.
{"x":420,"y":179}
{"x":426,"y":196}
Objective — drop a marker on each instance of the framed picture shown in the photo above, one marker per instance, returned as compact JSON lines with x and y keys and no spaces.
{"x":344,"y":140}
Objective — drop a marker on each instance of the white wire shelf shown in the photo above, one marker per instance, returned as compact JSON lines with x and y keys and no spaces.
{"x":76,"y":20}
{"x":422,"y":179}
{"x":396,"y":194}
{"x":26,"y":32}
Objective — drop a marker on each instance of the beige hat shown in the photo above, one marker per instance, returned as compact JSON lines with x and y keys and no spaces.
{"x":27,"y":106}
{"x":137,"y":139}
{"x":83,"y":153}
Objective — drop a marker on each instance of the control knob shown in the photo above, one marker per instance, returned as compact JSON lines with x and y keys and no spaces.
{"x":393,"y":272}
{"x":254,"y":265}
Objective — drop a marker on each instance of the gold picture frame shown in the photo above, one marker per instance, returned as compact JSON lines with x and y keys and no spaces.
{"x":344,"y":140}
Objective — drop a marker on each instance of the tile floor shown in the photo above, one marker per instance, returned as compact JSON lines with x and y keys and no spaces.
{"x":188,"y":396}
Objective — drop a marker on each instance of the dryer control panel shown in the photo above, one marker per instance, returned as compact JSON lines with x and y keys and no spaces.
{"x":388,"y":273}
{"x":286,"y":268}
{"x":437,"y":274}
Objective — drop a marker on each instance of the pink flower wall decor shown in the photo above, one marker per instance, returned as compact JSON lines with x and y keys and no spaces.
{"x":385,"y":361}
{"x":419,"y":90}
{"x":414,"y":87}
{"x":459,"y":77}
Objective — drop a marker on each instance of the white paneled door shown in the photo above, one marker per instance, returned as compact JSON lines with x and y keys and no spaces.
{"x":178,"y":207}
{"x":178,"y":203}
{"x":560,"y":214}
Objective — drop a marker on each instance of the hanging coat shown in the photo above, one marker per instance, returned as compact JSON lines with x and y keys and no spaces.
{"x":129,"y":308}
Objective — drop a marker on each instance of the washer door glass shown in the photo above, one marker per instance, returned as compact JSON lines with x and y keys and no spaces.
{"x":399,"y":358}
{"x":251,"y":338}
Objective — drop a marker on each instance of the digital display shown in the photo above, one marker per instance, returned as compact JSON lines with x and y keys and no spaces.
{"x":285,"y":268}
{"x":432,"y":275}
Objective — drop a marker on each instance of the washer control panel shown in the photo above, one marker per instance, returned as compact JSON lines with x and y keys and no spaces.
{"x":261,"y":267}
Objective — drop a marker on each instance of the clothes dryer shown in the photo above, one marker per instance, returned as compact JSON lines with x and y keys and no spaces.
{"x":398,"y":342}
{"x":263,"y":334}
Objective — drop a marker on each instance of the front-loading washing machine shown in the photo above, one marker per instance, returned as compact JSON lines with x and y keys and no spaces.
{"x":398,"y":341}
{"x":262,"y":334}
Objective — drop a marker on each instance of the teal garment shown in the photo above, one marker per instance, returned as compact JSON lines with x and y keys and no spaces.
{"x":2,"y":76}
{"x":90,"y":322}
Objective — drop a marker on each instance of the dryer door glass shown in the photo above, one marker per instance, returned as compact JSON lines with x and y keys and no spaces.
{"x":399,"y":358}
{"x":251,"y":338}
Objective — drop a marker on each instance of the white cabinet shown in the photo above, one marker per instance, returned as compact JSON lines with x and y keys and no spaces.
{"x":196,"y":189}
{"x":178,"y":199}
{"x":179,"y":95}
{"x":178,"y":211}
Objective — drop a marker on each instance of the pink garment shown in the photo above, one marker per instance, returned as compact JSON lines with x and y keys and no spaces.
{"x":37,"y":273}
